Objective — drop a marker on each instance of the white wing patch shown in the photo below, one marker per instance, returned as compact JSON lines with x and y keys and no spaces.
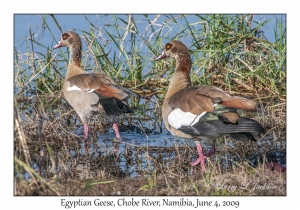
{"x":74,"y":87}
{"x":178,"y":118}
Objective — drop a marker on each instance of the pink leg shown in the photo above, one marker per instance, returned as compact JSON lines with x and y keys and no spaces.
{"x":86,"y":135}
{"x":202,"y":156}
{"x":116,"y":129}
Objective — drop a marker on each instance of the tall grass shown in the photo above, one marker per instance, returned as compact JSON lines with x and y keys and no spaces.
{"x":227,"y":50}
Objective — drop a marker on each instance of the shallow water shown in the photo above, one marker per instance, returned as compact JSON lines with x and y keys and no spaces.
{"x":141,"y":149}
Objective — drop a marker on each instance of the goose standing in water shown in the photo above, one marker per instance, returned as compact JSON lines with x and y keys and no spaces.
{"x":202,"y":112}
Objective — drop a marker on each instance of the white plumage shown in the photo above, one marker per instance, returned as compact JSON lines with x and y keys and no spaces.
{"x":178,"y":118}
{"x":74,"y":87}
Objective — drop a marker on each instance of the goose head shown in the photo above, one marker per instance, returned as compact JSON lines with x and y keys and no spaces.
{"x":68,"y":39}
{"x":174,"y":49}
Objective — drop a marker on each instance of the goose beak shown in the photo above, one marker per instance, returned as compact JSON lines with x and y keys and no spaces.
{"x":58,"y":45}
{"x":162,"y":56}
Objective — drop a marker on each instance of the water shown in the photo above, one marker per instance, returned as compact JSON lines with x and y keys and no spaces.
{"x":139,"y":152}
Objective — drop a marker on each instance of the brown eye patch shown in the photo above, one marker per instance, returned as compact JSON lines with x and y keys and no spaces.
{"x":65,"y":36}
{"x":168,"y":46}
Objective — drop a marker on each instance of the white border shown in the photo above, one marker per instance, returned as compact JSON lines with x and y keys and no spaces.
{"x":8,"y":201}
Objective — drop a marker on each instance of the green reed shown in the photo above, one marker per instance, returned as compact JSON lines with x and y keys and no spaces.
{"x":227,"y":51}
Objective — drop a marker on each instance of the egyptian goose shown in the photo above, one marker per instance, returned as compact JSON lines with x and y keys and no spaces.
{"x":89,"y":93}
{"x":202,"y":112}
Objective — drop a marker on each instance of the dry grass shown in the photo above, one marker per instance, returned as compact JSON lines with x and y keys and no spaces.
{"x":49,"y":159}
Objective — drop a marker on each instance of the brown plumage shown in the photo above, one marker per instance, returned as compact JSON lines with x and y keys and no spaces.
{"x":100,"y":83}
{"x":89,"y":93}
{"x":202,"y":112}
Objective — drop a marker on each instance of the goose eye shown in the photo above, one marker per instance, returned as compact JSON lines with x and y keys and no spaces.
{"x":168,"y":46}
{"x":65,"y":36}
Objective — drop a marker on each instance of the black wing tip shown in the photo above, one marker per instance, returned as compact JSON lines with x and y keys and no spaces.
{"x":253,"y":124}
{"x":241,"y":131}
{"x":243,"y":136}
{"x":113,"y":106}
